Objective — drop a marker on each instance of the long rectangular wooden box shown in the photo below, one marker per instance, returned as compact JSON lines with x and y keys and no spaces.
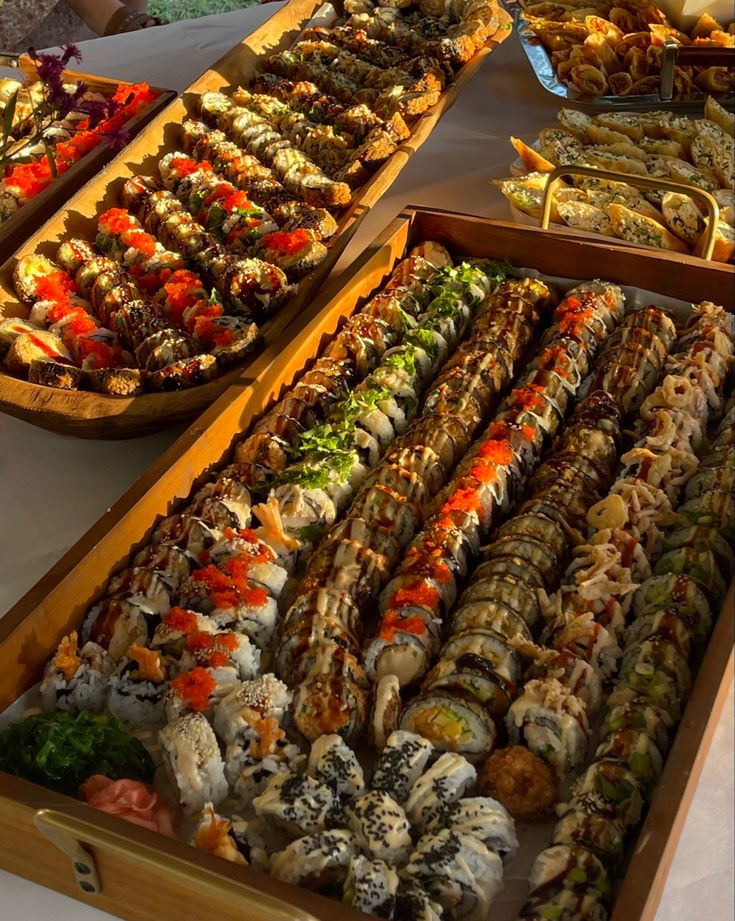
{"x":94,"y":415}
{"x":29,"y":218}
{"x":144,"y":877}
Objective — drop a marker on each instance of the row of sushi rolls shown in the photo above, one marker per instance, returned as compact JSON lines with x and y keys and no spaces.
{"x":176,"y":283}
{"x":459,"y":576}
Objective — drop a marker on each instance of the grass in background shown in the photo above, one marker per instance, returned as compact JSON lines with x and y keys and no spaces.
{"x":174,"y":10}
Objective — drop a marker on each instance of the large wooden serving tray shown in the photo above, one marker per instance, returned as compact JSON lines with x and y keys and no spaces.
{"x":95,"y":415}
{"x":141,"y":876}
{"x":30,"y":217}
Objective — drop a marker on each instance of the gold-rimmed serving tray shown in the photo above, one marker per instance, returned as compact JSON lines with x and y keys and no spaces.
{"x":138,"y":875}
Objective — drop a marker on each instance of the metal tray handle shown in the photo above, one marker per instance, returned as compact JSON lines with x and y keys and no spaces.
{"x":72,"y":835}
{"x":694,"y":56}
{"x":641,"y":182}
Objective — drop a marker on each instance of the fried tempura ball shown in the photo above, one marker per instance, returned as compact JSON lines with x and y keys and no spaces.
{"x":525,"y":784}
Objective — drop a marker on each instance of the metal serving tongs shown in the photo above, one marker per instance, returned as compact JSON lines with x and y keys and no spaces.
{"x":640,"y":182}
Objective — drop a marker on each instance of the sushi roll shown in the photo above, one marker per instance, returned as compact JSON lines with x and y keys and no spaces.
{"x":171,"y":634}
{"x":401,"y":763}
{"x":233,"y":839}
{"x":318,"y":861}
{"x":564,"y":903}
{"x":252,"y":708}
{"x":385,"y":710}
{"x":552,"y":722}
{"x":332,"y":762}
{"x":118,"y":623}
{"x":616,"y":786}
{"x":76,"y":679}
{"x":448,"y":779}
{"x":458,"y":871}
{"x":414,"y":904}
{"x":371,"y":887}
{"x":602,"y":836}
{"x":325,"y":704}
{"x":480,"y":817}
{"x":138,"y":687}
{"x":295,"y":803}
{"x":193,"y":762}
{"x":380,"y":827}
{"x":198,"y":690}
{"x":473,"y":677}
{"x":699,"y":563}
{"x":638,"y":752}
{"x":453,"y":722}
{"x":212,"y":650}
{"x":571,"y":867}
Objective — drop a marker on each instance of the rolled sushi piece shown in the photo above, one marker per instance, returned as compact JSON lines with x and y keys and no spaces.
{"x":193,"y":762}
{"x":371,"y":887}
{"x":481,"y":817}
{"x":334,"y":763}
{"x":385,"y":710}
{"x":448,"y":779}
{"x":250,"y":709}
{"x":552,"y":722}
{"x":699,"y":563}
{"x":564,"y":903}
{"x":617,"y":788}
{"x":138,"y":687}
{"x":199,"y":689}
{"x":233,"y":839}
{"x":401,"y":763}
{"x":414,"y":904}
{"x":572,"y":867}
{"x":452,"y":721}
{"x":330,"y":703}
{"x":597,"y":833}
{"x":296,"y":803}
{"x":638,"y":752}
{"x":380,"y":826}
{"x":318,"y":861}
{"x":224,"y":648}
{"x":458,"y":871}
{"x":76,"y":679}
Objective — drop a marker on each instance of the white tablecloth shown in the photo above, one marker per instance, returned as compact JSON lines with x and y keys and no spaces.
{"x":52,"y":488}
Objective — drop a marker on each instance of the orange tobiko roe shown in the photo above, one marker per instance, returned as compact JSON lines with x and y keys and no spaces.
{"x":185,"y":166}
{"x":195,"y":688}
{"x":56,"y":286}
{"x":287,"y":242}
{"x":421,"y":595}
{"x":208,"y":332}
{"x":180,"y":619}
{"x":393,"y":623}
{"x":463,"y":499}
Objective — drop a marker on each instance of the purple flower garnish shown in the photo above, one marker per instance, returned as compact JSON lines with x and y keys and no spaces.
{"x":70,"y":53}
{"x":116,"y":136}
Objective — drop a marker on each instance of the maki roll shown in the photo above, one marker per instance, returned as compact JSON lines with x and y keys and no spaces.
{"x":638,"y":752}
{"x":138,"y":687}
{"x":318,"y":861}
{"x":572,"y":867}
{"x":447,"y":780}
{"x":452,"y":722}
{"x":76,"y":679}
{"x":385,"y":710}
{"x":414,"y":904}
{"x":371,"y":887}
{"x":552,"y":722}
{"x":380,"y":826}
{"x":332,"y":762}
{"x":401,"y":763}
{"x":251,"y":708}
{"x":458,"y":871}
{"x":600,"y":835}
{"x":193,"y":762}
{"x":617,"y":787}
{"x":296,"y":803}
{"x":481,"y":817}
{"x":564,"y":904}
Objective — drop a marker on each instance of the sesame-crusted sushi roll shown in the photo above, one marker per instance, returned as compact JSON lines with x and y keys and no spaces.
{"x":597,"y":833}
{"x":317,"y":861}
{"x":332,"y":762}
{"x":193,"y":762}
{"x":552,"y":722}
{"x":458,"y":871}
{"x":414,"y":904}
{"x":371,"y":887}
{"x":448,"y":779}
{"x":296,"y":803}
{"x":401,"y":763}
{"x":76,"y":679}
{"x":249,"y":705}
{"x":481,"y":817}
{"x":380,"y":826}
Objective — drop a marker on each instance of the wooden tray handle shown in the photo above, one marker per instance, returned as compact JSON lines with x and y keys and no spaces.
{"x":73,"y":835}
{"x":641,"y":182}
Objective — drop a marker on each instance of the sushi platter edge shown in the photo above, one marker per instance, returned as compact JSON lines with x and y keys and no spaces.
{"x":92,"y":415}
{"x":31,"y":216}
{"x":145,"y":878}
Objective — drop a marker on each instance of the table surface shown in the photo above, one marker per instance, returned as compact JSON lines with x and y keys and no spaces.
{"x":54,"y":487}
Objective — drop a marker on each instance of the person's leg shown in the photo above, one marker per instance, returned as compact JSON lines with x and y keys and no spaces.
{"x":108,"y":17}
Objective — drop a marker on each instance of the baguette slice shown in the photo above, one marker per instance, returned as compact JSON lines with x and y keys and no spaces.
{"x":637,"y":228}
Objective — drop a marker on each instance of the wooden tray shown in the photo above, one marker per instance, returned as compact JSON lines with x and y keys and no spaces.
{"x":30,"y":217}
{"x":145,"y":877}
{"x":99,"y":416}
